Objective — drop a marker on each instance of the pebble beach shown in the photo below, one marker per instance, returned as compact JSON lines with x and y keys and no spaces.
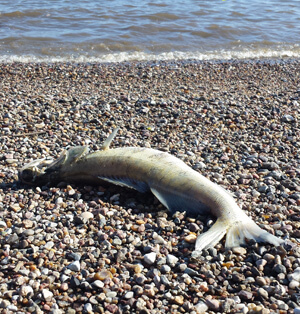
{"x":106,"y":249}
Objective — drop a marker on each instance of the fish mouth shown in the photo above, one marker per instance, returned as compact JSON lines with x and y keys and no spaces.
{"x":48,"y":170}
{"x":32,"y":172}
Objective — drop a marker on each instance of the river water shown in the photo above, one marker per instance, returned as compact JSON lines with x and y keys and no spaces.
{"x":115,"y":30}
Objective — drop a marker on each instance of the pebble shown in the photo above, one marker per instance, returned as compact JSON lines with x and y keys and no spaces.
{"x":47,"y":295}
{"x":201,"y":308}
{"x":191,"y":238}
{"x":26,"y":291}
{"x":88,"y":308}
{"x":129,"y":295}
{"x":74,"y":266}
{"x":213,"y":304}
{"x":239,"y":250}
{"x":172,"y":260}
{"x":150,"y":258}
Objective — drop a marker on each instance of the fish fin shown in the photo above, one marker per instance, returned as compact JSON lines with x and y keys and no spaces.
{"x":140,"y":186}
{"x":237,"y":233}
{"x":248,"y":229}
{"x":76,"y":153}
{"x":211,"y":237}
{"x":175,"y":202}
{"x":107,"y":142}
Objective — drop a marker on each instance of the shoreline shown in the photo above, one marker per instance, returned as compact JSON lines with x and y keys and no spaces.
{"x":178,"y":61}
{"x":82,"y":249}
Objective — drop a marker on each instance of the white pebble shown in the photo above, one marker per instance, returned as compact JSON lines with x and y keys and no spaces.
{"x":171,"y":259}
{"x":295,"y":275}
{"x":26,"y":291}
{"x":201,"y":308}
{"x":47,"y":295}
{"x":294,"y":284}
{"x":129,"y":295}
{"x":150,"y":258}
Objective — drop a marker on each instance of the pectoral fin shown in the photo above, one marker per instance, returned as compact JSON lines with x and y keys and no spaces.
{"x":176,"y":202}
{"x":129,"y":183}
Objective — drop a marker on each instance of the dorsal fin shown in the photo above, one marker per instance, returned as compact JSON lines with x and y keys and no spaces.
{"x":110,"y":138}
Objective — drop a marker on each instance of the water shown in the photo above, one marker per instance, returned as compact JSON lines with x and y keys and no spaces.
{"x":115,"y":30}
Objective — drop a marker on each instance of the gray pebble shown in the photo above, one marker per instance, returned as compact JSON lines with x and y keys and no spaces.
{"x":74,"y":266}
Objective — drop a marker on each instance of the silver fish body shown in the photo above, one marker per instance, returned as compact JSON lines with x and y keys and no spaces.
{"x":175,"y":184}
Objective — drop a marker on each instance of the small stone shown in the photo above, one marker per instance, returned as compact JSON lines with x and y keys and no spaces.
{"x":191,"y":238}
{"x":172,"y":260}
{"x":28,"y":224}
{"x":47,"y":295}
{"x":245,"y":295}
{"x":294,"y":284}
{"x":129,"y":295}
{"x":213,"y":304}
{"x":193,"y":227}
{"x":49,"y":245}
{"x":261,"y":281}
{"x":295,"y":275}
{"x":201,"y":308}
{"x":86,"y":216}
{"x":140,"y":279}
{"x":74,"y":282}
{"x":138,"y":290}
{"x":26,"y":291}
{"x":239,"y":250}
{"x":149,"y":290}
{"x":64,"y":286}
{"x":88,"y":308}
{"x":191,"y":272}
{"x":263,"y":293}
{"x":75,"y":266}
{"x":150,"y":258}
{"x":279,"y":268}
{"x":98,"y":284}
{"x":165,"y":269}
{"x":288,"y":118}
{"x":111,"y":294}
{"x":103,"y":274}
{"x":4,"y":304}
{"x":179,"y":299}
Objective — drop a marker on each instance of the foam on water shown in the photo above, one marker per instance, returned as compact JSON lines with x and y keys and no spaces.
{"x":278,"y":52}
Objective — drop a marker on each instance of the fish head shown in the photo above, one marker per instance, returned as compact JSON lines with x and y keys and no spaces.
{"x":34,"y":173}
{"x":43,"y":171}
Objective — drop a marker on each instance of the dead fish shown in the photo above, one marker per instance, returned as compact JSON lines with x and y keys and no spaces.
{"x":177,"y":186}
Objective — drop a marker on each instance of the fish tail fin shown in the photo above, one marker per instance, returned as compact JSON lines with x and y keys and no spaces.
{"x":107,"y":142}
{"x":237,"y":233}
{"x":248,"y":229}
{"x":211,"y":237}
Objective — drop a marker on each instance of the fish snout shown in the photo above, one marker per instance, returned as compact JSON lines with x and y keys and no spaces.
{"x":33,"y":171}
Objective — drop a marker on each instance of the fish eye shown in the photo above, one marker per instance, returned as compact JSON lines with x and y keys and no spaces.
{"x":27,"y":175}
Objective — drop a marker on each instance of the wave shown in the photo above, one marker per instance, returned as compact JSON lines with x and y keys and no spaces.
{"x":292,"y":52}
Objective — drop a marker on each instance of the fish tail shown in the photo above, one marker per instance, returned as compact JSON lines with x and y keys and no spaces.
{"x":211,"y":237}
{"x":237,"y":233}
{"x":248,"y":229}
